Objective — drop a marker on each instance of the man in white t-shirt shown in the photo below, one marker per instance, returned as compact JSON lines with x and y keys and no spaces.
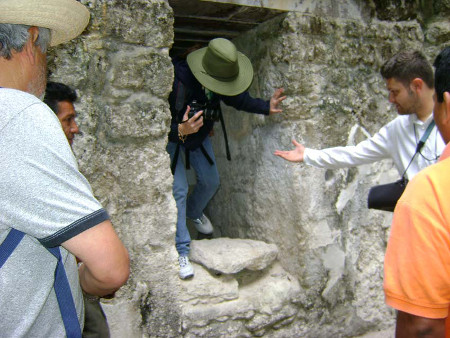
{"x":43,"y":193}
{"x":409,"y":80}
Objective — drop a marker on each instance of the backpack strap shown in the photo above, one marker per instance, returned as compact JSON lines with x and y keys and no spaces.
{"x":61,"y":283}
{"x":173,"y":165}
{"x":64,"y":297}
{"x":9,"y":244}
{"x":222,"y":122}
{"x":214,"y":104}
{"x":180,"y":97}
{"x":205,"y":153}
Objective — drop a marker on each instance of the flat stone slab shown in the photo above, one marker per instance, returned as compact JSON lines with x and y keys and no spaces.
{"x":231,"y":255}
{"x":207,"y":288}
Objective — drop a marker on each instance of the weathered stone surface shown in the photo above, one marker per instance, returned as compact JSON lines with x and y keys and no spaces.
{"x":208,"y":288}
{"x":122,"y":72}
{"x":327,"y":58}
{"x":266,"y":299}
{"x":123,"y":318}
{"x":326,"y":236}
{"x":230,"y":256}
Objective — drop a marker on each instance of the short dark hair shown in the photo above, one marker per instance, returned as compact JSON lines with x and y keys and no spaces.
{"x":442,"y":74}
{"x":56,"y":92}
{"x":406,"y":66}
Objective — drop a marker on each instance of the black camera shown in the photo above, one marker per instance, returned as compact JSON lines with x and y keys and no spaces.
{"x":209,"y":113}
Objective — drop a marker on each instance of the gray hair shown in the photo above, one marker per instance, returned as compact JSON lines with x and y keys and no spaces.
{"x":14,"y":37}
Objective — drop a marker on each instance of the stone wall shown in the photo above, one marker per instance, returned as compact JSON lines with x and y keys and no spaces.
{"x":122,"y":71}
{"x":326,"y":237}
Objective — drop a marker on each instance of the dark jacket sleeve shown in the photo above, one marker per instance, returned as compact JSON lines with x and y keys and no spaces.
{"x":247,"y":103}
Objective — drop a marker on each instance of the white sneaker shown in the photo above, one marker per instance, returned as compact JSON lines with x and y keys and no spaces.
{"x":186,"y":269}
{"x":203,"y":225}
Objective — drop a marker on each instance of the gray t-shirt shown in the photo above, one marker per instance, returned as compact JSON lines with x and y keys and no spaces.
{"x":45,"y":196}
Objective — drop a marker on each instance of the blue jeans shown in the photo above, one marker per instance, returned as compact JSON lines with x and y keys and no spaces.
{"x":192,"y":206}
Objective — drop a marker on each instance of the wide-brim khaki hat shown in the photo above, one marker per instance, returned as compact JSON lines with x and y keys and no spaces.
{"x":66,"y":19}
{"x":221,"y":68}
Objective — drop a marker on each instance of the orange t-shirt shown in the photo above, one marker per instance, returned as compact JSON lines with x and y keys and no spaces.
{"x":417,"y":261}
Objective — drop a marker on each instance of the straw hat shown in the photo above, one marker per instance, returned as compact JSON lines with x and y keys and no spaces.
{"x":65,"y":18}
{"x":221,"y":68}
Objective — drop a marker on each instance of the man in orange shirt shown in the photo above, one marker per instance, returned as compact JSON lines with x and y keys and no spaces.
{"x":417,"y":262}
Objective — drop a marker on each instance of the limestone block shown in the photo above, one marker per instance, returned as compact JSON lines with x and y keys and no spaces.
{"x":228,"y":255}
{"x":123,"y":318}
{"x":150,"y":22}
{"x":150,"y":72}
{"x":135,"y":120}
{"x":219,"y":329}
{"x":207,"y":288}
{"x":261,"y":321}
{"x":274,"y":288}
{"x":266,"y":298}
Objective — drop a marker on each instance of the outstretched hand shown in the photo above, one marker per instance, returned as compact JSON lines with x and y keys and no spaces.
{"x":295,"y":155}
{"x":191,"y":125}
{"x":275,"y":100}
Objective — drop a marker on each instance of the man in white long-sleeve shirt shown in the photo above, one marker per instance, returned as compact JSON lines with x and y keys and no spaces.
{"x":410,"y":82}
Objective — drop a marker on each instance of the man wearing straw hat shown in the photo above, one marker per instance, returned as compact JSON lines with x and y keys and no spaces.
{"x":210,"y":75}
{"x":48,"y":212}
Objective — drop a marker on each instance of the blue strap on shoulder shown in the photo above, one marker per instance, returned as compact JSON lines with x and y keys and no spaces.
{"x":9,"y":244}
{"x":61,"y":283}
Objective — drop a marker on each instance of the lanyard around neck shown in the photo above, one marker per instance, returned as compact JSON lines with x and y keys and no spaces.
{"x":420,"y":144}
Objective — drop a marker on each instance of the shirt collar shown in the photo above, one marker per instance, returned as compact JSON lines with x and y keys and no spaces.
{"x":413,"y":119}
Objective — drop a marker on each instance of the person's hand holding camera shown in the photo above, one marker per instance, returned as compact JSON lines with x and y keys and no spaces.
{"x":190,"y":125}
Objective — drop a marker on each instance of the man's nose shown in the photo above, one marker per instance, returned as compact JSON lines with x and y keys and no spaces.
{"x":391,"y":98}
{"x":74,"y":128}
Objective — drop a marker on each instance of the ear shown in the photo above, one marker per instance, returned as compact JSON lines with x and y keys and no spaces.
{"x":417,"y":84}
{"x":446,"y":104}
{"x":30,"y":47}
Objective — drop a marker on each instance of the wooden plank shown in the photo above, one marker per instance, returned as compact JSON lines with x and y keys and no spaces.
{"x":283,"y":5}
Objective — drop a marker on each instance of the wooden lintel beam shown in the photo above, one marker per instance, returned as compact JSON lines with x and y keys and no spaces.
{"x":216,"y":19}
{"x":283,"y":5}
{"x":197,"y":32}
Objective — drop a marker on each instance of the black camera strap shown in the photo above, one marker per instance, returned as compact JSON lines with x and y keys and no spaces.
{"x":214,"y":104}
{"x":222,"y":122}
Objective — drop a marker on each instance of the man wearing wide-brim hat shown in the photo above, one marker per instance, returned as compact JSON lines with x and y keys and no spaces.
{"x":210,"y":75}
{"x":48,"y":212}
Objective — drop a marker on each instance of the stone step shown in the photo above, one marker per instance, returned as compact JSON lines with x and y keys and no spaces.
{"x":232,"y":255}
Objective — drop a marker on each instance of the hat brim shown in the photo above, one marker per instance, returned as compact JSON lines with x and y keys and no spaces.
{"x":66,"y":19}
{"x":227,"y":88}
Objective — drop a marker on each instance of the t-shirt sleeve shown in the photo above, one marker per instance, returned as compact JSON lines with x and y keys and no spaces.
{"x":417,"y":261}
{"x":44,"y":194}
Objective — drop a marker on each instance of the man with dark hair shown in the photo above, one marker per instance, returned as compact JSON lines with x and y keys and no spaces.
{"x":416,"y":268}
{"x":60,"y":98}
{"x":48,"y":212}
{"x":409,"y":80}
